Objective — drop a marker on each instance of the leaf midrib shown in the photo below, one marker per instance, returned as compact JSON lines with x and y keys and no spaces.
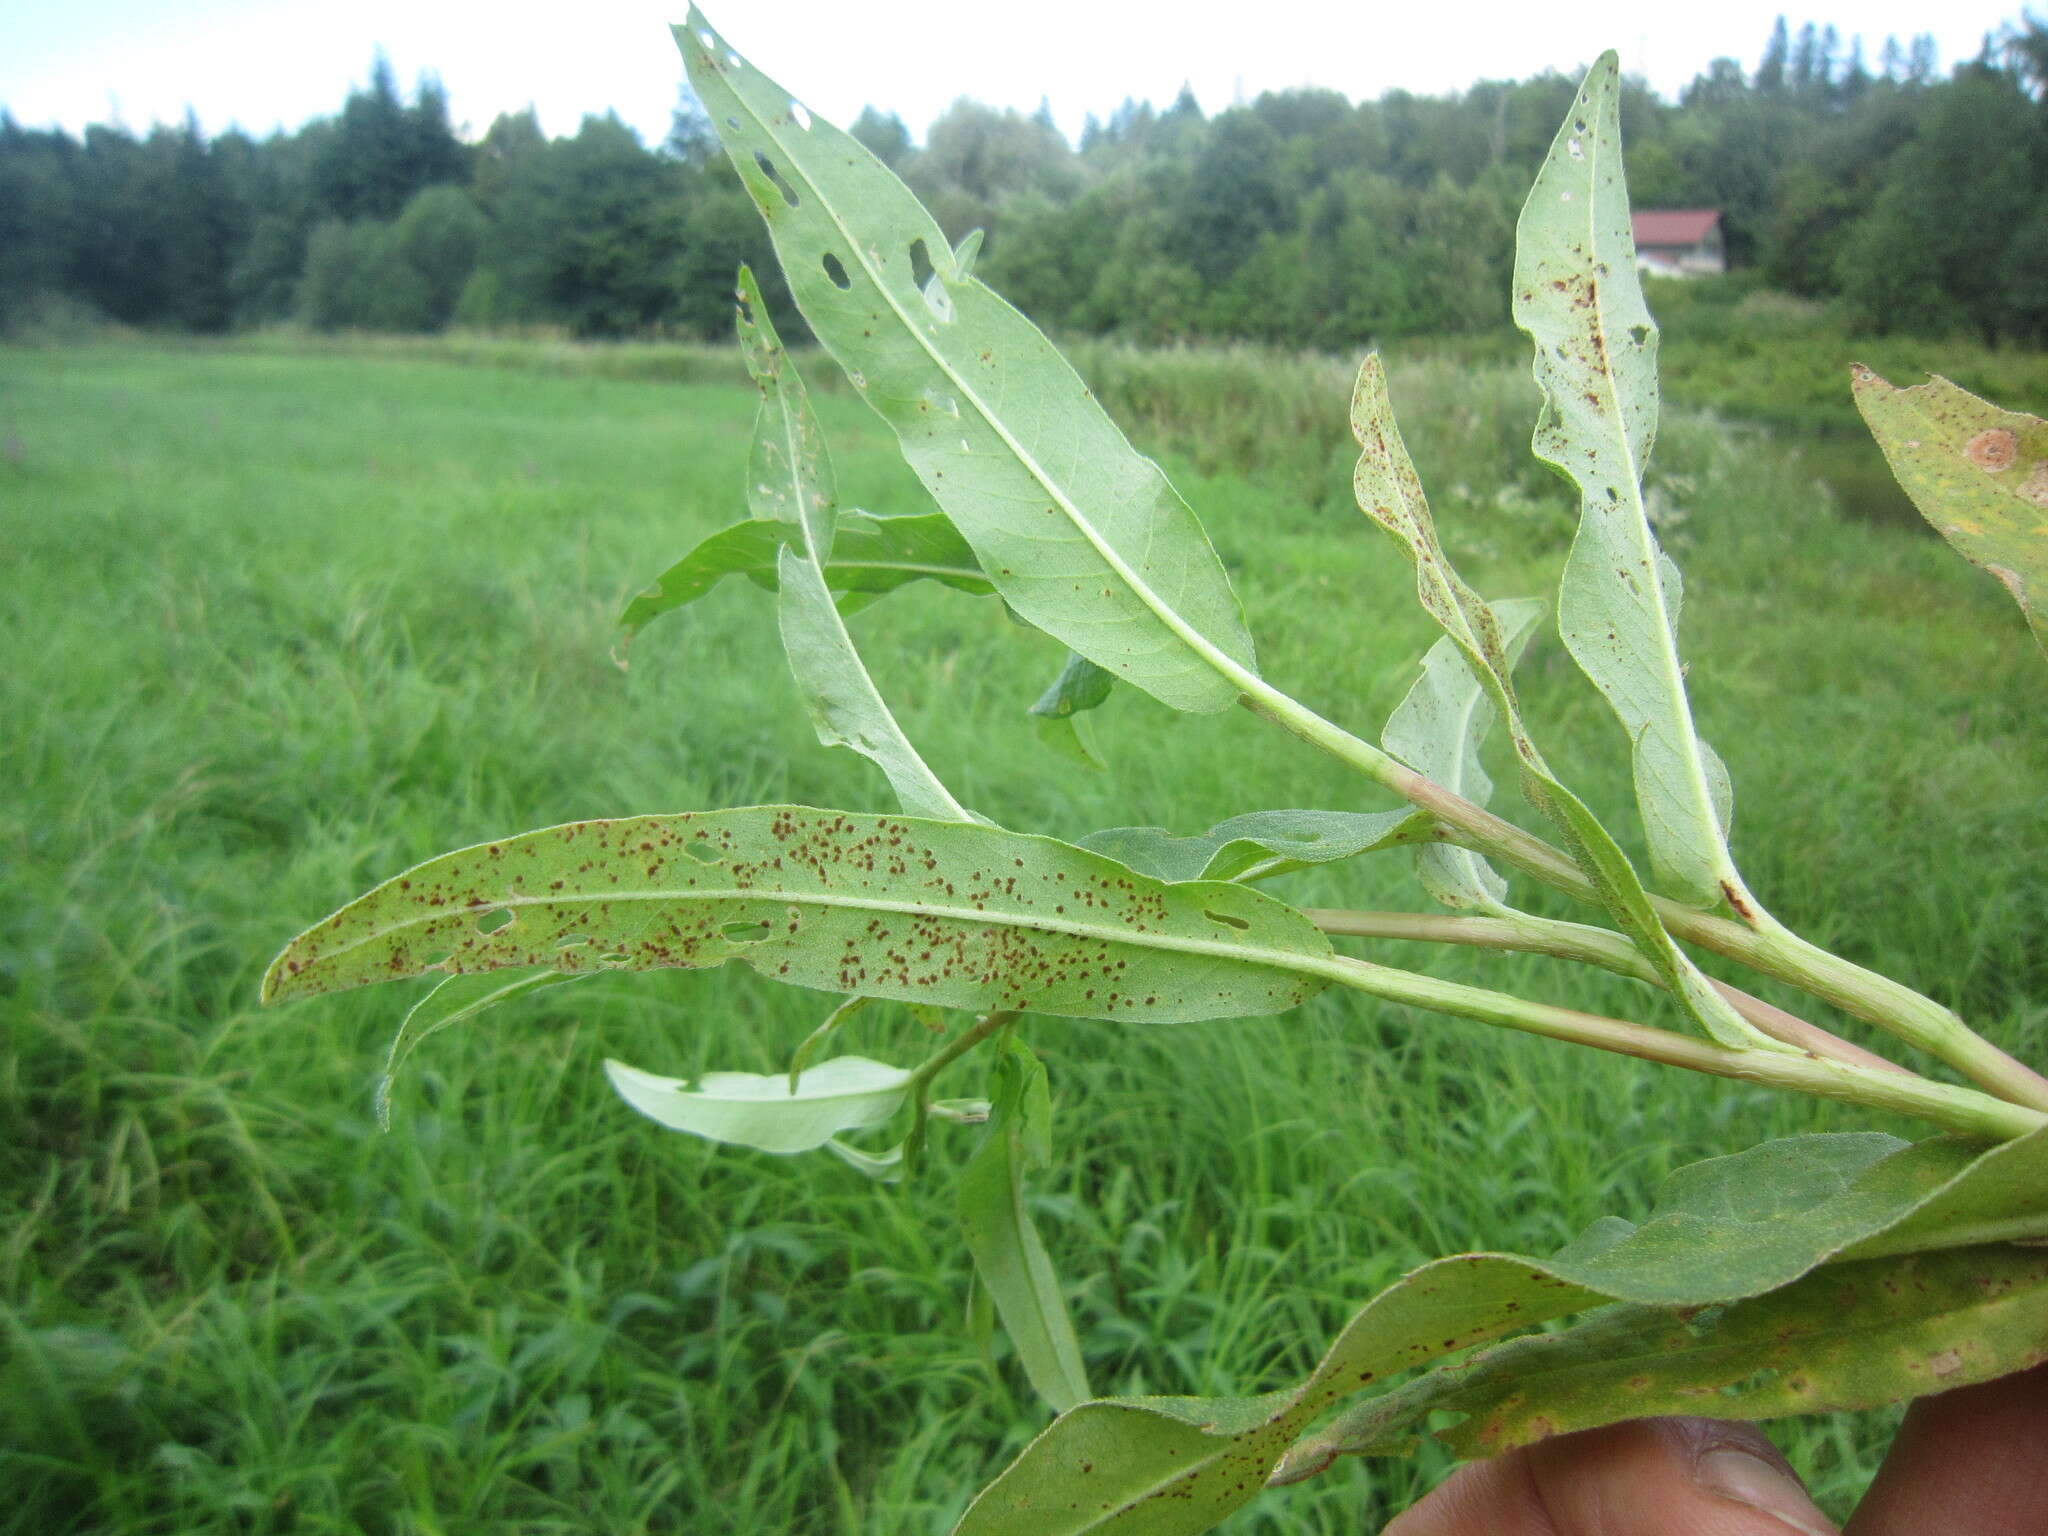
{"x":1232,"y":670}
{"x":1305,"y":964}
{"x":1638,"y":533}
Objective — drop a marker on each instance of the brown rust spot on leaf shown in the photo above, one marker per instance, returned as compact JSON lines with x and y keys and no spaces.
{"x":1994,"y":449}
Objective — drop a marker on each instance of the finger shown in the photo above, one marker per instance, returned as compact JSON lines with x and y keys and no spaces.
{"x":1973,"y":1462}
{"x":1647,"y":1477}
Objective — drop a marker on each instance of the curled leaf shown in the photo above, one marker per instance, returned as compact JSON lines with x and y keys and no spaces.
{"x":763,"y":1110}
{"x":1260,"y":844}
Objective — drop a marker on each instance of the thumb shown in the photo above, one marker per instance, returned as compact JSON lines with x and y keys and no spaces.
{"x":1646,"y":1477}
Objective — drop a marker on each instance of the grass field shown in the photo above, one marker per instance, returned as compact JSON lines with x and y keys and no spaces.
{"x":286,"y":622}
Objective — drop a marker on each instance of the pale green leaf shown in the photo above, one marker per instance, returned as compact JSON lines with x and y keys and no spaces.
{"x":1080,"y":534}
{"x":1977,"y":473}
{"x":884,"y":1167}
{"x":763,"y":1110}
{"x":1439,"y":729}
{"x":453,"y":999}
{"x":840,"y":697}
{"x":1577,"y":295}
{"x":1010,"y":1261}
{"x":1260,"y":844}
{"x":952,"y":914}
{"x":838,"y":694}
{"x":1390,"y":493}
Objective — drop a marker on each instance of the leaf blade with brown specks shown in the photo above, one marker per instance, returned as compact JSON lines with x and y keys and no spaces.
{"x":1977,"y":473}
{"x":949,"y":913}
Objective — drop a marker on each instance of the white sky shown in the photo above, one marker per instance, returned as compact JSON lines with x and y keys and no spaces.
{"x":262,"y":64}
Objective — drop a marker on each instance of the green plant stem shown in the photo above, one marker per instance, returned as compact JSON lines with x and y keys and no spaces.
{"x":920,"y":1084}
{"x":1588,"y":946}
{"x":1768,"y":947}
{"x":1957,"y":1108}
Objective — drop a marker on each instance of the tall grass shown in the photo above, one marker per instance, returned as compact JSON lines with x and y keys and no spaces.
{"x":288,"y":620}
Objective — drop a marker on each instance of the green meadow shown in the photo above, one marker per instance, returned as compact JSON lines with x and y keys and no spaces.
{"x":284,"y":619}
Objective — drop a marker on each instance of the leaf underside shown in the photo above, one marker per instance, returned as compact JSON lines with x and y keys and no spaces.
{"x":1578,"y":296}
{"x":948,"y":913}
{"x":1389,"y":491}
{"x":765,"y":1111}
{"x":1081,"y":535}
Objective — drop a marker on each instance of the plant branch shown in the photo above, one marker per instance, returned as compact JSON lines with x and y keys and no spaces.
{"x":1768,"y":947}
{"x":1589,"y":946}
{"x":1959,"y":1109}
{"x":921,"y":1080}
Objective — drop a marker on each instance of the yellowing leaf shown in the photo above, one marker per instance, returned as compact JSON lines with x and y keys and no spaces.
{"x":1977,"y":473}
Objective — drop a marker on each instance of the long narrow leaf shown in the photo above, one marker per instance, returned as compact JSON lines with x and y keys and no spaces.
{"x":1080,"y":534}
{"x":948,"y":913}
{"x":793,"y":482}
{"x":1577,"y":295}
{"x":1010,"y":1260}
{"x":1390,"y":493}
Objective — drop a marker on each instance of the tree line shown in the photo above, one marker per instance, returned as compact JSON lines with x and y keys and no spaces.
{"x":1908,"y":199}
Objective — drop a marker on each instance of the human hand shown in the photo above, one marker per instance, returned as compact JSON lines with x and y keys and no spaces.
{"x":1973,"y":1462}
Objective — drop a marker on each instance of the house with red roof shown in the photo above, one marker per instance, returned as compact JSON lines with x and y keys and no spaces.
{"x":1680,"y":242}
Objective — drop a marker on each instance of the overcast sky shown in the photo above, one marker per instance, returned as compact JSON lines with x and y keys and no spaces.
{"x":262,"y":64}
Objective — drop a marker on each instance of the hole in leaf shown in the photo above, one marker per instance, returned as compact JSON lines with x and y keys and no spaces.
{"x":616,"y":957}
{"x":492,"y":921}
{"x":768,"y":169}
{"x":835,"y":270}
{"x":731,"y":121}
{"x":1639,"y":334}
{"x":733,"y":60}
{"x":704,"y":36}
{"x":929,"y":283}
{"x":801,"y":117}
{"x":745,"y":932}
{"x":1227,"y":920}
{"x":860,"y":380}
{"x":703,"y":853}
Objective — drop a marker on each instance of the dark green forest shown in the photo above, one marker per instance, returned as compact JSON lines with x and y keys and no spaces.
{"x":1905,"y":199}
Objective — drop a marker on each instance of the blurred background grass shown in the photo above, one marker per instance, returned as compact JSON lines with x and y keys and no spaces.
{"x":289,"y":617}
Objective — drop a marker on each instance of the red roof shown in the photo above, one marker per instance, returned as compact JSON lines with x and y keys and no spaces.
{"x":1675,"y":226}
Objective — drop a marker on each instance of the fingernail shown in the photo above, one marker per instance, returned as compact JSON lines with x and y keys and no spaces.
{"x":1765,"y":1487}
